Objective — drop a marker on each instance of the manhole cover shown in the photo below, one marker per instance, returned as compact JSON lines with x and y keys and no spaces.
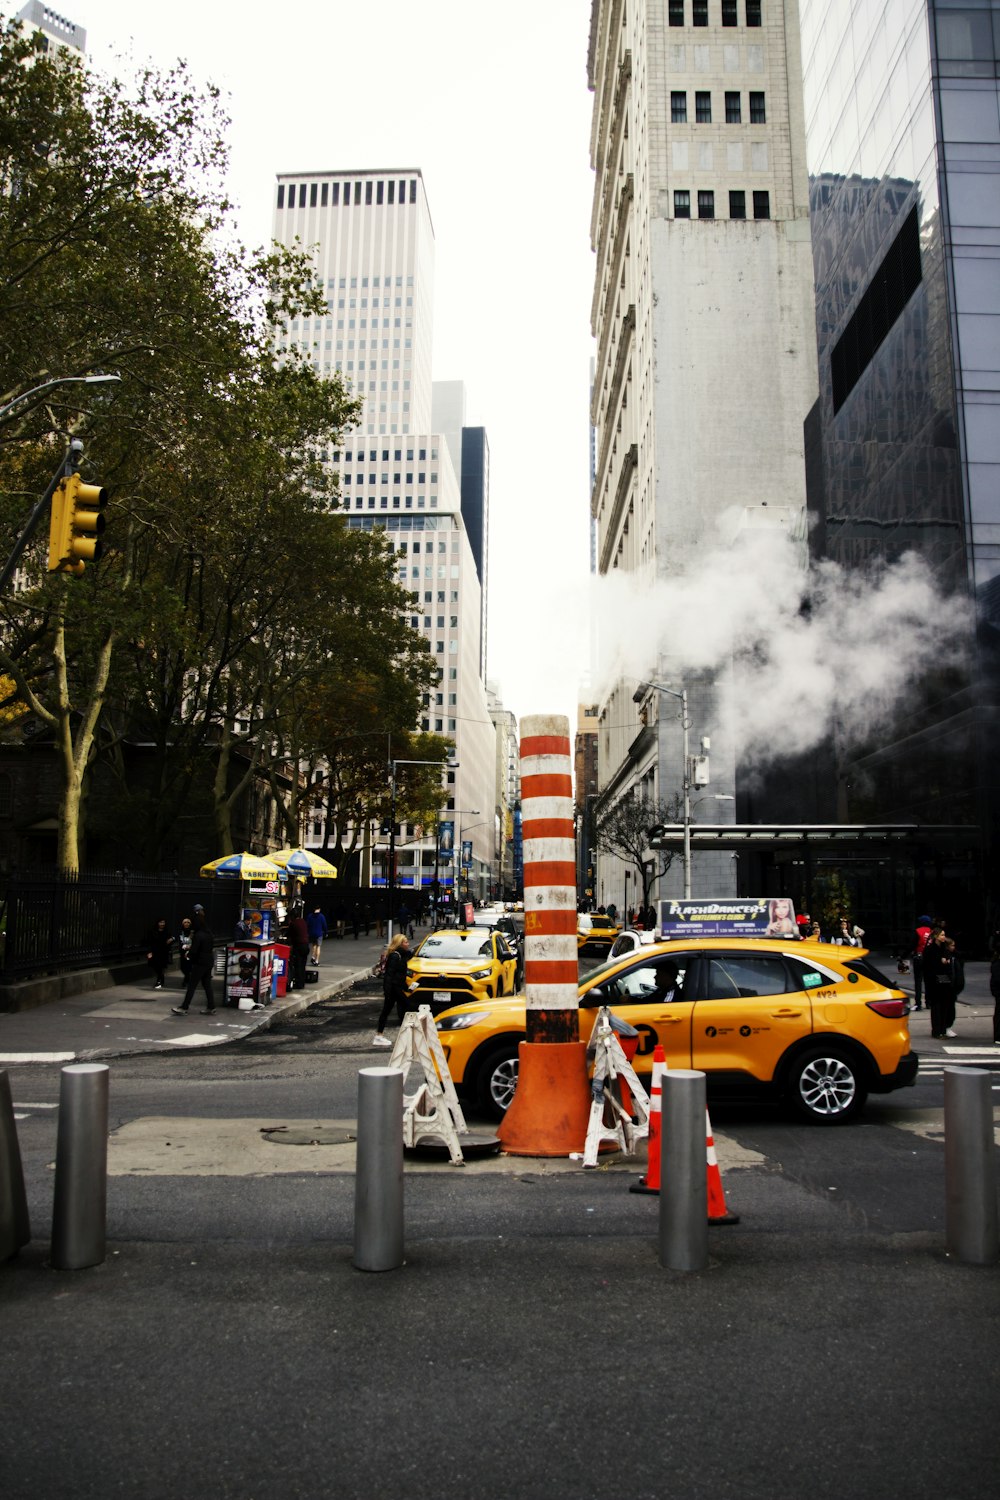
{"x":304,"y":1135}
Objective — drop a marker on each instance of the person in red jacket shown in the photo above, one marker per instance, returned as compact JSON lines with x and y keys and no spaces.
{"x":920,"y":936}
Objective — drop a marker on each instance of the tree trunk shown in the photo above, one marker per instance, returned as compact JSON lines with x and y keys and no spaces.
{"x":75,"y":756}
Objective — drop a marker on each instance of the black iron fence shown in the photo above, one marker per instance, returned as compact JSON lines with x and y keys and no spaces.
{"x":53,"y":921}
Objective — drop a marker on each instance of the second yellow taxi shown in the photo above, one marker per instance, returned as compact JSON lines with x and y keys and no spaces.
{"x":462,"y":963}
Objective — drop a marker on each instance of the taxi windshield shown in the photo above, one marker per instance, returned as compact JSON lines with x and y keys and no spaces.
{"x":454,"y":945}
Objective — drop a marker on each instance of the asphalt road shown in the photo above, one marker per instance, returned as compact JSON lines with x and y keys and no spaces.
{"x":531,"y":1346}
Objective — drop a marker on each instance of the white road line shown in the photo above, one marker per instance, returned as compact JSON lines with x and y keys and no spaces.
{"x":18,"y":1105}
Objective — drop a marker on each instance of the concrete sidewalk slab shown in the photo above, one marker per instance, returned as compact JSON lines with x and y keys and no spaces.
{"x":124,"y":1019}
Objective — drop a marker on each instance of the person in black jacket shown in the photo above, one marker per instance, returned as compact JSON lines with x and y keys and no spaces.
{"x":940,"y":982}
{"x":159,"y":943}
{"x":200,"y":959}
{"x":394,"y":987}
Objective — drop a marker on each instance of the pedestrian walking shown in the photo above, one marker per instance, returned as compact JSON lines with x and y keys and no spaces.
{"x":159,"y":946}
{"x":394,"y":989}
{"x":940,"y":982}
{"x":318,"y":929}
{"x":200,"y":960}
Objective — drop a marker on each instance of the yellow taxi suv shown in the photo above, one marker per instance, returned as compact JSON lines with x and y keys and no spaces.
{"x":810,"y":1023}
{"x":595,"y":933}
{"x":462,"y":963}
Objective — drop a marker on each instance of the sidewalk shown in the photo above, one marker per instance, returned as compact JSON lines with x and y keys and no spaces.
{"x":134,"y":1018}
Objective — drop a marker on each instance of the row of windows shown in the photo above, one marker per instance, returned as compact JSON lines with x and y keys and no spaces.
{"x":703,"y":108}
{"x":373,"y":456}
{"x":737,"y":204}
{"x":384,"y":502}
{"x":699,"y":12}
{"x":396,"y":478}
{"x":327,"y":194}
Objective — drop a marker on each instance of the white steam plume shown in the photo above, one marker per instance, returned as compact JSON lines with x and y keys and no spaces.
{"x":811,"y":649}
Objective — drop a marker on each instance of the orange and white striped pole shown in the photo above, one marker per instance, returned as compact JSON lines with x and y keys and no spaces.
{"x":551,"y":1106}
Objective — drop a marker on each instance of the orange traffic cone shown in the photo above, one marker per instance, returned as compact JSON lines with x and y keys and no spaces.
{"x":651,"y":1182}
{"x":717,"y":1211}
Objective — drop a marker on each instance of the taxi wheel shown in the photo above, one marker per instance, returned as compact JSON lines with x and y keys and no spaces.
{"x":826,"y":1086}
{"x":498,"y":1079}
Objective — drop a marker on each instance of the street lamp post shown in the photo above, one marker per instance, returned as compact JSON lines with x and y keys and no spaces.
{"x":637,"y":697}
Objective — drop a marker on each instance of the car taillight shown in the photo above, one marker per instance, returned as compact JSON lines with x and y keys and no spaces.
{"x":895,"y":1009}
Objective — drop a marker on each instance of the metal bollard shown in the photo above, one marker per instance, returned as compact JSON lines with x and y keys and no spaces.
{"x":969,"y":1154}
{"x":15,"y":1227}
{"x":79,"y":1217}
{"x":683,"y":1172}
{"x":378,"y":1180}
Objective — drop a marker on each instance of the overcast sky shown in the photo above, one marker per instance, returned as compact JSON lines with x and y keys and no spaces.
{"x":491,"y":103}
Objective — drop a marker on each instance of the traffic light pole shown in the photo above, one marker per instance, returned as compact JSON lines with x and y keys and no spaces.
{"x":65,"y":468}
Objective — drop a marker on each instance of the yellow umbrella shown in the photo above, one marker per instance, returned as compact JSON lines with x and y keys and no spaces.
{"x":304,"y":864}
{"x":242,"y":867}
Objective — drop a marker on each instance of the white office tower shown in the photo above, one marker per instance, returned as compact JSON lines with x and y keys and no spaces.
{"x":706,"y":353}
{"x":61,"y":34}
{"x":373,"y":242}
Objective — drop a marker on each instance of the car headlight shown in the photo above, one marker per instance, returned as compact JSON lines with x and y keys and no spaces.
{"x":480,"y":973}
{"x":462,"y":1021}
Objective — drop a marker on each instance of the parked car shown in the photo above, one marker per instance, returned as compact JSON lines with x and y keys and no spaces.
{"x":815,"y":1024}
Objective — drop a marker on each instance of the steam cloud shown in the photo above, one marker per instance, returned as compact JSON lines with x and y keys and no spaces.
{"x":811,"y":648}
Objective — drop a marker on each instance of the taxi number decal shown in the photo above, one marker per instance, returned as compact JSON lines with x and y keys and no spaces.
{"x":647,"y":1039}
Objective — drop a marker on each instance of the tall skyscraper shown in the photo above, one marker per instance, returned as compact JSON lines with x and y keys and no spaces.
{"x":375,"y":257}
{"x":902,"y":109}
{"x":61,"y":34}
{"x":703,"y":317}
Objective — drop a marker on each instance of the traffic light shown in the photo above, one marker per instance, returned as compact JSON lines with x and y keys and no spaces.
{"x":76,"y":525}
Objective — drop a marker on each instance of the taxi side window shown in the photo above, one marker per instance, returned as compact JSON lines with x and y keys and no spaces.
{"x":739,"y":976}
{"x":806,"y":976}
{"x":652,"y":983}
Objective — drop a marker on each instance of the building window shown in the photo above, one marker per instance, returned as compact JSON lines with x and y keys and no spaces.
{"x":379,"y":191}
{"x":890,"y":287}
{"x":753,"y":12}
{"x":281,"y":196}
{"x":699,"y":13}
{"x":303,"y":187}
{"x":758,"y":114}
{"x":761,"y":205}
{"x":357,"y":194}
{"x":368,"y":193}
{"x":729,"y":13}
{"x":737,"y":205}
{"x":413,"y":190}
{"x":706,"y":205}
{"x":703,"y":108}
{"x":678,"y":108}
{"x":313,"y":194}
{"x":335,"y":198}
{"x":682,"y":205}
{"x":734,"y":113}
{"x":324,"y":196}
{"x":676,"y":12}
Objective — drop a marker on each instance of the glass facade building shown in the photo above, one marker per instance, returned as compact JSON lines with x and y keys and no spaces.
{"x":902,"y":116}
